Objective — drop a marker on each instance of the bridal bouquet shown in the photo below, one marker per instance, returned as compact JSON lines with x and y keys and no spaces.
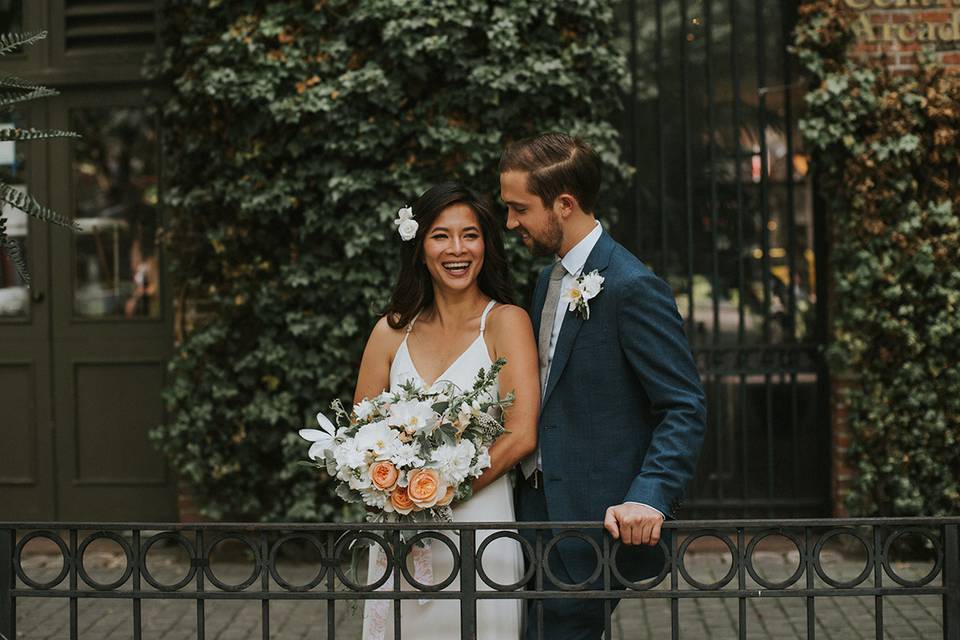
{"x":407,"y":455}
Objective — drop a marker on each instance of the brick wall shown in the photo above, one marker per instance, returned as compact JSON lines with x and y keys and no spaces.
{"x":840,"y":472}
{"x":894,"y":30}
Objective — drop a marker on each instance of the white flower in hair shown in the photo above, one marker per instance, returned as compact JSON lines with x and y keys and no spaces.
{"x":406,"y":225}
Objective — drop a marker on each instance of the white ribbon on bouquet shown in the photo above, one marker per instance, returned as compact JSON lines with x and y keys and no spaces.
{"x":377,"y":611}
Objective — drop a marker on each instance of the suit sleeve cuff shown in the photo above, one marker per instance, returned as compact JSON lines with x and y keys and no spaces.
{"x":644,"y":504}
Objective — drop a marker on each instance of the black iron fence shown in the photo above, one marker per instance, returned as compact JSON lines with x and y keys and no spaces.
{"x":874,"y":541}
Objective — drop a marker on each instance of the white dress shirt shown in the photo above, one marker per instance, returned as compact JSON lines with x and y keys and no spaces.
{"x":573,"y":263}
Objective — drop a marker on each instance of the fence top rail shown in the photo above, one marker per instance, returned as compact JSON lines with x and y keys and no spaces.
{"x":677,"y":525}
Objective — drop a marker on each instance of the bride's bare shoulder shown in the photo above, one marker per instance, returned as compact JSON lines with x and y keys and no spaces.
{"x":506,"y":319}
{"x":384,"y":338}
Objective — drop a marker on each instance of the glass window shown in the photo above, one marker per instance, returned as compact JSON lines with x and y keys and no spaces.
{"x":14,"y":296}
{"x":115,"y":178}
{"x":11,"y":16}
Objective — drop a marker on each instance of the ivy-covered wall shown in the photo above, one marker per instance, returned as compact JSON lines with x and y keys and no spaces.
{"x":294,"y":132}
{"x":887,"y":145}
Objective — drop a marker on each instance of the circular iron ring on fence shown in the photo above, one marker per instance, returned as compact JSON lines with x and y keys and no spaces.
{"x":577,"y":586}
{"x":344,"y":542}
{"x":734,"y":560}
{"x":272,"y":564}
{"x":751,"y":547}
{"x":127,"y":551}
{"x":646,"y":583}
{"x":184,"y":543}
{"x":408,"y":547}
{"x":257,"y":568}
{"x":528,"y":554}
{"x":839,"y":584}
{"x":52,"y":537}
{"x":925,"y":580}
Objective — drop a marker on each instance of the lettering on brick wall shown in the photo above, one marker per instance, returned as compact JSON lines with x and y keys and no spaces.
{"x":923,"y":21}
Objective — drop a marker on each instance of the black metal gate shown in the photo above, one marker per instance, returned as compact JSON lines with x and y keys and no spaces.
{"x":723,"y":208}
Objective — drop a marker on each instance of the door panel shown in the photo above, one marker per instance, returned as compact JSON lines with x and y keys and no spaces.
{"x":18,"y":456}
{"x":117,"y":402}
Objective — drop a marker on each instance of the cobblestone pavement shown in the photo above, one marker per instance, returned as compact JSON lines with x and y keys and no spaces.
{"x":905,"y":616}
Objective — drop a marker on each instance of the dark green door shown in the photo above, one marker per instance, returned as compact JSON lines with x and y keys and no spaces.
{"x":83,"y":352}
{"x":111,"y":311}
{"x":26,"y":429}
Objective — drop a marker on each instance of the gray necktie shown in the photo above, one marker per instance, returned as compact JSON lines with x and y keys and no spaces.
{"x":547,"y":318}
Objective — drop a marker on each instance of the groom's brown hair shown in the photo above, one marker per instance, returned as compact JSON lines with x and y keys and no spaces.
{"x":556,"y":163}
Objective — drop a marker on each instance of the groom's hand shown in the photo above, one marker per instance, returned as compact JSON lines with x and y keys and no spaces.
{"x":633,"y":523}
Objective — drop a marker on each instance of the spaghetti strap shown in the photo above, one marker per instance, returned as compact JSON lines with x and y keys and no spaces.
{"x":483,"y":318}
{"x":410,"y":326}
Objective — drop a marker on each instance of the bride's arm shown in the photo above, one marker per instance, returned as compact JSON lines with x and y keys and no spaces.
{"x":374,"y":374}
{"x":513,"y":340}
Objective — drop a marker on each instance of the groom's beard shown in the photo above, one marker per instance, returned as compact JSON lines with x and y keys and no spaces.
{"x":549,"y":244}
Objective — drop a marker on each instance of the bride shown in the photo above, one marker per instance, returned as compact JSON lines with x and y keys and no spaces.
{"x":450,"y":316}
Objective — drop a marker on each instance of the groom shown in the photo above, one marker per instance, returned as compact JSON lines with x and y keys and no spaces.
{"x":622,"y":410}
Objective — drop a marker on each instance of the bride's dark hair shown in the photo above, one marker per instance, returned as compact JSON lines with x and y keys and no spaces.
{"x":414,"y":289}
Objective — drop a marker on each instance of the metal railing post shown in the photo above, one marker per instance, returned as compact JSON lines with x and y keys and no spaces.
{"x":468,"y":584}
{"x":8,"y":611}
{"x":951,"y":581}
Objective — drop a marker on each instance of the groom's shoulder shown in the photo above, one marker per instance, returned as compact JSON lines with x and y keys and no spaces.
{"x":630,"y":278}
{"x":628,"y":267}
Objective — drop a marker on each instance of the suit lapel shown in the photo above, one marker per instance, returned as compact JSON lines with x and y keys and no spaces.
{"x":598,"y":259}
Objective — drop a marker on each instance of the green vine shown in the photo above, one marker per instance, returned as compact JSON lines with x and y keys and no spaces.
{"x":887,"y":147}
{"x":293,"y":134}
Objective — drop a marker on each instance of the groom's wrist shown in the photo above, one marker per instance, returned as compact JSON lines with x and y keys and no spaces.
{"x":644,"y":504}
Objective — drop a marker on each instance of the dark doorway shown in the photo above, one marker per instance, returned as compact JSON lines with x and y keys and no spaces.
{"x":84,"y":350}
{"x":723,"y":208}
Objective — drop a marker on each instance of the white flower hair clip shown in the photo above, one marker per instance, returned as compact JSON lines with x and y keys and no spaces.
{"x":406,"y":225}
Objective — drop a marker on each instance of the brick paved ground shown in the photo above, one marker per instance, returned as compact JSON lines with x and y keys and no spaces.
{"x":905,"y":617}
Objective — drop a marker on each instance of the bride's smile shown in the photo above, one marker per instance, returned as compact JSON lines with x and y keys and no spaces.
{"x":453,"y":248}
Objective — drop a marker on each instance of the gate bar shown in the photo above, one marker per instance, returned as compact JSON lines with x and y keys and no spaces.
{"x":8,"y":604}
{"x":951,"y":580}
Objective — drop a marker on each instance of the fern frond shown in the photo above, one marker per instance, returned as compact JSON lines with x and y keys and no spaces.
{"x":35,"y":134}
{"x":10,"y":97}
{"x":10,"y":41}
{"x":13,"y":250}
{"x":13,"y":82}
{"x":31,"y":207}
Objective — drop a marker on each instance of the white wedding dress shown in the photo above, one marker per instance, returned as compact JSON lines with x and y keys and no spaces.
{"x":502,"y":560}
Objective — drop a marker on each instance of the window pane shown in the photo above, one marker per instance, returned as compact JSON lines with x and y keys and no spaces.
{"x":115,"y":178}
{"x":11,"y":16}
{"x":13,"y":292}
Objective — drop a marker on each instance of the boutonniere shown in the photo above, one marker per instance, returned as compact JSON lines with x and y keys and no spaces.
{"x":581,"y":292}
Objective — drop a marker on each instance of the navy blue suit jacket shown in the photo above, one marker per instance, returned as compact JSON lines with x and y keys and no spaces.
{"x":623,"y":414}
